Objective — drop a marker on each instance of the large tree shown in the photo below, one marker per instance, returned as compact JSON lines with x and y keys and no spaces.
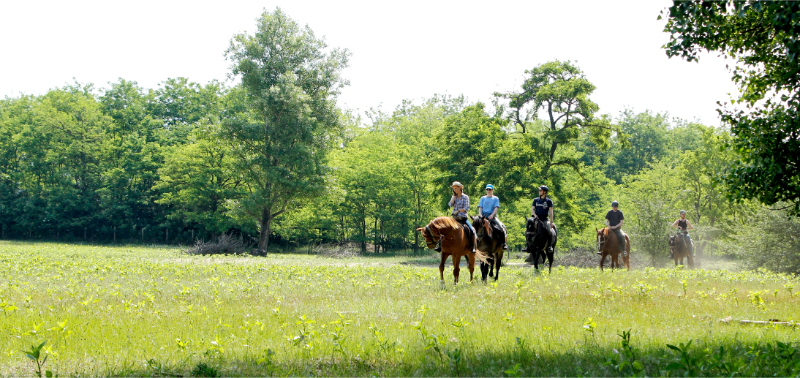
{"x":763,"y":39}
{"x":292,"y":82}
{"x":561,"y":90}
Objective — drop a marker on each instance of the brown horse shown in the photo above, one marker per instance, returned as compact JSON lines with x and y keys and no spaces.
{"x":680,"y":248}
{"x":489,"y":244}
{"x":607,"y":244}
{"x":454,"y":242}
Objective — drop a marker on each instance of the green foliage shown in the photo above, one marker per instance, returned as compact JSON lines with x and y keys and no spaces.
{"x":762,"y":38}
{"x":204,"y":370}
{"x":35,"y":354}
{"x":281,"y":138}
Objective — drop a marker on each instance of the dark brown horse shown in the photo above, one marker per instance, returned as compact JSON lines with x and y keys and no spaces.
{"x":607,"y":244}
{"x":490,"y":245}
{"x":681,"y":248}
{"x":453,"y":239}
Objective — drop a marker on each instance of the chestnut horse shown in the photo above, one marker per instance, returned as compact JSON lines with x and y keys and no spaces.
{"x":453,"y":239}
{"x":607,"y":244}
{"x":680,"y":248}
{"x":489,"y":244}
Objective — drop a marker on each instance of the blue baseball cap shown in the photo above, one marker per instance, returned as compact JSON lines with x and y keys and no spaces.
{"x":490,"y":186}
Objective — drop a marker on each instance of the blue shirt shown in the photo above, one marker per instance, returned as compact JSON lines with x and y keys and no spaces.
{"x":460,"y":203}
{"x":542,"y":207}
{"x":487,"y":205}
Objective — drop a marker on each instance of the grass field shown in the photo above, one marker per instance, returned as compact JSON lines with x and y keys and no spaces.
{"x":151,"y":311}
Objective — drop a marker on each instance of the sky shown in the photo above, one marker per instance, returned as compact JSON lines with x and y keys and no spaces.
{"x":400,"y":49}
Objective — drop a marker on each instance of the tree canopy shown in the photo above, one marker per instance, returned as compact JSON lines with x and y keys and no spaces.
{"x":763,"y":39}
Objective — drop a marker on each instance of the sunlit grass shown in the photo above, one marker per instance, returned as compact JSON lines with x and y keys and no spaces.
{"x":150,"y":310}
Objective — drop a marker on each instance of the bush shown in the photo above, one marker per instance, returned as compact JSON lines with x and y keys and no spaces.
{"x":203,"y":370}
{"x":225,"y":244}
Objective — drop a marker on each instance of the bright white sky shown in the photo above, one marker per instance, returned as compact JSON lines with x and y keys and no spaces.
{"x":401,"y":49}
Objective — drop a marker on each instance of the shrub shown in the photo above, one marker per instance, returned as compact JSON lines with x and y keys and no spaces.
{"x":225,"y":244}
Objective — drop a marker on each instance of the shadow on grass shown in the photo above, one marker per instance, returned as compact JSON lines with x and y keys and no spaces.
{"x":455,"y":359}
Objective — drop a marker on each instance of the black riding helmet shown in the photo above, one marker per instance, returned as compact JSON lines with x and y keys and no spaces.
{"x":615,"y":204}
{"x":545,"y":188}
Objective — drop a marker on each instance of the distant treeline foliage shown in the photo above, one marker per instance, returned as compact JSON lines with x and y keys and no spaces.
{"x":187,"y":161}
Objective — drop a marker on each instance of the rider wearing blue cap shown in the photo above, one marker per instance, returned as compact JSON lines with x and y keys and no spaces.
{"x":488,"y":206}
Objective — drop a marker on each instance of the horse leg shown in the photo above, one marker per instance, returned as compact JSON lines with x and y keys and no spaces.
{"x":490,"y":261}
{"x":471,"y":265}
{"x":484,"y":271}
{"x":456,"y":267}
{"x":498,"y":259}
{"x":603,"y":260}
{"x":441,"y":269}
{"x":690,"y":260}
{"x":550,"y":261}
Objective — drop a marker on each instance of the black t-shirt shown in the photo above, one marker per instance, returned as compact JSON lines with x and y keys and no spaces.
{"x":682,"y":224}
{"x":542,"y":207}
{"x":614,"y":217}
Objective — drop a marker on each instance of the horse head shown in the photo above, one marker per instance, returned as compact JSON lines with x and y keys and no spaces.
{"x":602,"y":237}
{"x":672,"y":241}
{"x":530,"y":226}
{"x":427,"y":234}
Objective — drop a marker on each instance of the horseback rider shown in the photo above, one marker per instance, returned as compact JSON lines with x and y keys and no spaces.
{"x":541,"y":208}
{"x":488,"y":206}
{"x":614,"y":220}
{"x":460,"y":204}
{"x":684,"y":226}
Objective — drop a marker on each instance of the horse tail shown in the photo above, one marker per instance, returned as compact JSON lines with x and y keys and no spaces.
{"x":482,"y":257}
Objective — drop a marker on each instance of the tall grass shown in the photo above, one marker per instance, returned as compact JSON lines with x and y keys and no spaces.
{"x":132,"y":311}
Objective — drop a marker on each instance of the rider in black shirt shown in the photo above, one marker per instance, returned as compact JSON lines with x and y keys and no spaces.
{"x":614,"y":220}
{"x":684,"y":226}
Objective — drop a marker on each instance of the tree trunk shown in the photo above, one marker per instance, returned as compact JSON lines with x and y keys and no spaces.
{"x":263,"y":239}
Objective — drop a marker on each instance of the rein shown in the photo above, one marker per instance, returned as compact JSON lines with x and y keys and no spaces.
{"x":601,"y":242}
{"x":430,"y":233}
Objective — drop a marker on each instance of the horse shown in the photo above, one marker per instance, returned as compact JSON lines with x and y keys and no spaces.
{"x":681,"y":248}
{"x":453,"y":240}
{"x":607,"y":244}
{"x":489,"y":244}
{"x":538,"y":244}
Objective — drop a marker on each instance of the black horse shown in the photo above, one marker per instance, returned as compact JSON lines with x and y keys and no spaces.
{"x":538,"y":242}
{"x":490,"y":243}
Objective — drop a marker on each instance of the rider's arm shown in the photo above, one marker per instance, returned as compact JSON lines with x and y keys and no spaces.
{"x":494,"y":213}
{"x":551,"y":215}
{"x":533,"y":210}
{"x":675,"y":224}
{"x":689,"y":225}
{"x":619,"y":225}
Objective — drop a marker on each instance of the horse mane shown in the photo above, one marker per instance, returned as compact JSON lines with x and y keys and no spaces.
{"x":445,"y":222}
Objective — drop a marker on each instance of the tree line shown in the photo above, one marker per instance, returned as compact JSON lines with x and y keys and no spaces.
{"x":272,"y":158}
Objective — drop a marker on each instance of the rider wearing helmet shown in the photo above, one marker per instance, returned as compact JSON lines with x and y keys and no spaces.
{"x":488,"y":206}
{"x":614,"y":220}
{"x":542,"y":208}
{"x":684,"y":226}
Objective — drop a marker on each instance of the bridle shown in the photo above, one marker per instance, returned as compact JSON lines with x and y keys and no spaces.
{"x":536,"y":222}
{"x":601,"y":242}
{"x":429,"y":233}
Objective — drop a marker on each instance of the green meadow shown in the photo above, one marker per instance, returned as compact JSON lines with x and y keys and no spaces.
{"x":153,"y":311}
